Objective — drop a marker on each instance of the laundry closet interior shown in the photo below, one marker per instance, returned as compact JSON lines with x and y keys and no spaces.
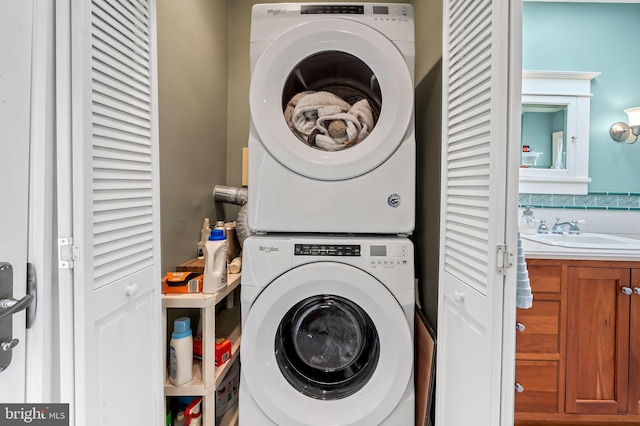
{"x":204,"y":76}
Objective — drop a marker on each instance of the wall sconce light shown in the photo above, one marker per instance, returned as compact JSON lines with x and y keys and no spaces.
{"x":627,"y":132}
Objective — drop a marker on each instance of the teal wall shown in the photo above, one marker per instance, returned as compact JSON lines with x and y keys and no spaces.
{"x":593,"y":37}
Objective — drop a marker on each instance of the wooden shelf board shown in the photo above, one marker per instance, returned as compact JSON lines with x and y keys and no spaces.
{"x":201,"y":300}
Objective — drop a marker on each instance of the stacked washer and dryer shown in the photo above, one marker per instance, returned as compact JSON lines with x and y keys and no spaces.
{"x":327,"y":287}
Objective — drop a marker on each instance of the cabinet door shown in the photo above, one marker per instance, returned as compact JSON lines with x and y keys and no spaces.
{"x":597,"y":368}
{"x":634,"y":345}
{"x":539,"y":381}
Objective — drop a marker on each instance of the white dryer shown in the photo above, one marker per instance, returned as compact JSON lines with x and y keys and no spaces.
{"x":303,"y":56}
{"x":327,"y":331}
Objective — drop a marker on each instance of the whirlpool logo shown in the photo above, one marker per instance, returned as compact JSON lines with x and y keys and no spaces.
{"x":268,"y":249}
{"x":276,"y":11}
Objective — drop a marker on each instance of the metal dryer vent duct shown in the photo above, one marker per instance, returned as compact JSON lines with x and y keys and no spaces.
{"x":232,"y":195}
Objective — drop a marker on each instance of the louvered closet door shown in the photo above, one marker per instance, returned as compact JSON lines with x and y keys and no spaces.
{"x":117,"y":316}
{"x":478,"y":213}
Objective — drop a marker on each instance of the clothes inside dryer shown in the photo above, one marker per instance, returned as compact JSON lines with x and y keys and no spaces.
{"x":331,"y":100}
{"x":327,"y":347}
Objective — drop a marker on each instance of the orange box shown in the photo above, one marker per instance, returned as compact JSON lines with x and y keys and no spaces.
{"x":223,"y":350}
{"x":182,"y":282}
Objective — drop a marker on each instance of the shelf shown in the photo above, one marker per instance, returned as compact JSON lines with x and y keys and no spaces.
{"x":228,"y":326}
{"x":201,"y":300}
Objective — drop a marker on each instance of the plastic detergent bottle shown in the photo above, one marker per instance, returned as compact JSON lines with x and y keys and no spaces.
{"x":181,"y":352}
{"x":215,"y":262}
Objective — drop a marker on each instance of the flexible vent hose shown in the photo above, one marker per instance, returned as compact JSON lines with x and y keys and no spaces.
{"x":239,"y":196}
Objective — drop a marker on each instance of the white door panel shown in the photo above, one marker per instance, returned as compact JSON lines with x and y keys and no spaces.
{"x":16,"y":33}
{"x":114,"y":202}
{"x":479,"y":205}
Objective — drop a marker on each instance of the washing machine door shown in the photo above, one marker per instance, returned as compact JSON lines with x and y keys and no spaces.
{"x":345,"y":58}
{"x":326,"y":344}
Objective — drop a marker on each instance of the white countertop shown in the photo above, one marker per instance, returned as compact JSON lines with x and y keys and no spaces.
{"x":536,"y":250}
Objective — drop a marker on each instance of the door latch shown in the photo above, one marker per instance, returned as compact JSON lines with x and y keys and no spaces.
{"x":8,"y":307}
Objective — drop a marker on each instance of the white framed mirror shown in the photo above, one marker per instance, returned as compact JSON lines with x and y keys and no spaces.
{"x":554,"y":140}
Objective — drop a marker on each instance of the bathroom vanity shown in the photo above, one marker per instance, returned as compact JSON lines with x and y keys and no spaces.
{"x":578,"y":347}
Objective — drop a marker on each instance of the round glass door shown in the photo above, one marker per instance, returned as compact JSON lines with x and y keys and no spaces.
{"x":327,"y":347}
{"x":331,"y":99}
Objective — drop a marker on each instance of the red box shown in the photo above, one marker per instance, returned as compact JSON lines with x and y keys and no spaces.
{"x":223,"y":350}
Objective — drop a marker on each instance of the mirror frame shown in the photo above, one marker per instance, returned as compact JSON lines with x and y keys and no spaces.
{"x":573,"y":89}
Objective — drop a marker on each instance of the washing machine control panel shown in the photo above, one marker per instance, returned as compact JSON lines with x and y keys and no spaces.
{"x":373,"y":255}
{"x":331,"y":8}
{"x":327,"y":250}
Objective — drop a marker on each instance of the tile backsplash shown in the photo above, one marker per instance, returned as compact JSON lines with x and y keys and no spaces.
{"x":602,"y":212}
{"x":593,"y":200}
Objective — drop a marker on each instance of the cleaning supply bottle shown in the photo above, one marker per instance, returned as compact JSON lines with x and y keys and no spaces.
{"x":181,"y":352}
{"x":204,"y":236}
{"x":527,"y":223}
{"x":215,"y":263}
{"x":180,"y":419}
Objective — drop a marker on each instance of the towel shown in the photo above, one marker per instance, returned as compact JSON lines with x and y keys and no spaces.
{"x":325,"y":121}
{"x":524,"y":298}
{"x":305,"y":112}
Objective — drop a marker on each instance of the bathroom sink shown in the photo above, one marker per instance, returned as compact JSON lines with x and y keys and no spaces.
{"x":586,"y":241}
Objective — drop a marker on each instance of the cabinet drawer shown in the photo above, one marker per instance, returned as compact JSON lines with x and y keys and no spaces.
{"x":545,"y":279}
{"x":542,"y":328}
{"x":540,"y":382}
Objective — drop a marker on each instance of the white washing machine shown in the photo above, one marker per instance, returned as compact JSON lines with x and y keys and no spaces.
{"x":327,"y":331}
{"x":332,"y":143}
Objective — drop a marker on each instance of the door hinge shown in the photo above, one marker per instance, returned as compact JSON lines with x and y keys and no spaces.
{"x":67,"y":253}
{"x":504,"y":259}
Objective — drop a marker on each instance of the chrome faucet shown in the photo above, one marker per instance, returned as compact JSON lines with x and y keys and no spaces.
{"x":558,"y":227}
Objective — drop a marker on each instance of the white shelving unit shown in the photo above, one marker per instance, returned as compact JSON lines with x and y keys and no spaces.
{"x":206,"y":376}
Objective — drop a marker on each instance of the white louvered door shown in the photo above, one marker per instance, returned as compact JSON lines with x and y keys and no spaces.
{"x":114,"y":149}
{"x":476,"y":307}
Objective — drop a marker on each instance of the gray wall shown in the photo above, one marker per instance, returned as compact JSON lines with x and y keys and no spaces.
{"x":193,"y":48}
{"x":428,"y":139}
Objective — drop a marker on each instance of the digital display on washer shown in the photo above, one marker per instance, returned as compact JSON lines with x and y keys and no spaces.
{"x":380,"y":10}
{"x":326,"y":250}
{"x":378,"y":251}
{"x":330,"y":9}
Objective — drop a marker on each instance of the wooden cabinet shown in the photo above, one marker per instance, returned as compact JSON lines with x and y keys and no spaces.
{"x":206,"y":376}
{"x":578,"y":347}
{"x":597,"y":372}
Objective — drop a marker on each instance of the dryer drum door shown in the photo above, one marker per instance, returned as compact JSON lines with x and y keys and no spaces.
{"x":349,"y":60}
{"x":326,"y":343}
